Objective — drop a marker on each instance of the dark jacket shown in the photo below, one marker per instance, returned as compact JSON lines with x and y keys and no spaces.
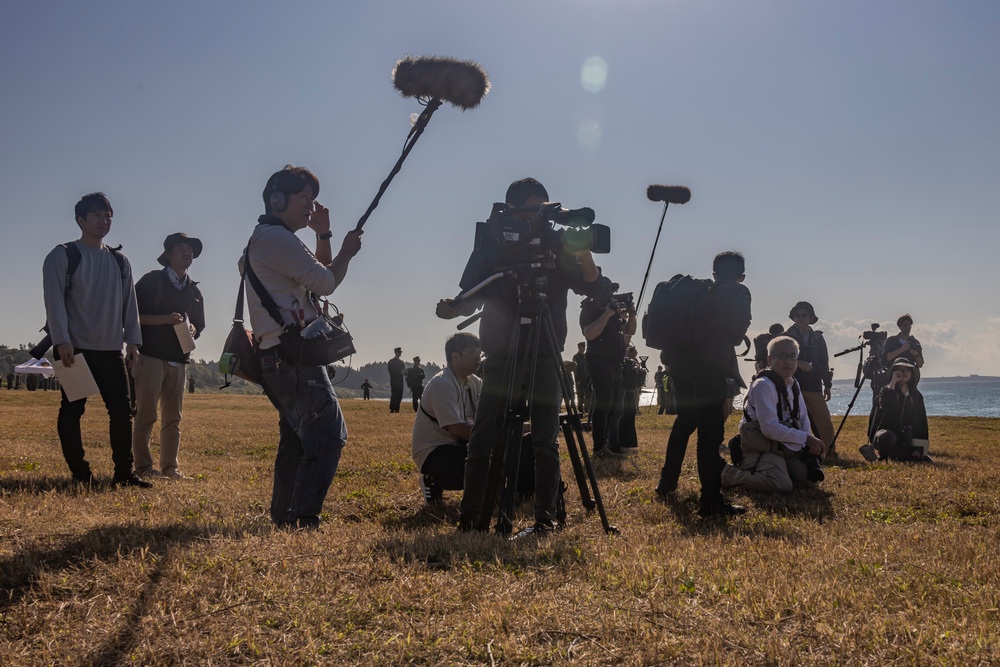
{"x":815,"y":352}
{"x":155,"y":294}
{"x":905,"y":416}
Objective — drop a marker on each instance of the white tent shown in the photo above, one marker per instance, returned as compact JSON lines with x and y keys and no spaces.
{"x":36,"y":366}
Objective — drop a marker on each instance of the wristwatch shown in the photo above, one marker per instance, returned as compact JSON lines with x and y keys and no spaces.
{"x":325,"y":235}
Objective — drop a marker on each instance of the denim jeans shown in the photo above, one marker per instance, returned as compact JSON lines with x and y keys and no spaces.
{"x":312,"y":436}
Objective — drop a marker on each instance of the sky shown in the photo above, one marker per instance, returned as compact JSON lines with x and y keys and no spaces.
{"x":850,"y":150}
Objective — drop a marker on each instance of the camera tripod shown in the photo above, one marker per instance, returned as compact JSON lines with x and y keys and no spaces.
{"x":870,"y":368}
{"x":533,"y":325}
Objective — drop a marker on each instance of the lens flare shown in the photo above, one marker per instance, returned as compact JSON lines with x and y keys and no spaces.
{"x":594,"y":74}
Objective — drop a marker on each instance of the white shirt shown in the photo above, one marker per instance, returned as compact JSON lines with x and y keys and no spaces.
{"x":450,"y":401}
{"x":761,"y":405}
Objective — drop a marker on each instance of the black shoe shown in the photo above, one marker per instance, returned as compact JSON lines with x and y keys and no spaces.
{"x":721,"y":509}
{"x":736,"y":450}
{"x":664,"y":491}
{"x":84,"y":480}
{"x":538,"y":529}
{"x":133,"y":481}
{"x":467,"y":525}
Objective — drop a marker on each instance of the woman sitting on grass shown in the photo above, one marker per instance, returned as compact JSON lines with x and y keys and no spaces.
{"x":899,"y":425}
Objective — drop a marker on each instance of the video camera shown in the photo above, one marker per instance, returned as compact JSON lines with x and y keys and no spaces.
{"x":523,"y":237}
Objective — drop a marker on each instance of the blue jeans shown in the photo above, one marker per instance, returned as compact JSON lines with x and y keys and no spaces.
{"x":312,"y":436}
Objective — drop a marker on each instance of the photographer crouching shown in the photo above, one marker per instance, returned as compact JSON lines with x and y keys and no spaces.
{"x":777,"y":452}
{"x":608,"y":321}
{"x":898,"y":429}
{"x":500,"y":300}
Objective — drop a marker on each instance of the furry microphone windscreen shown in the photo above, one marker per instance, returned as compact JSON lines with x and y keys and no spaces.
{"x":672,"y":194}
{"x":462,"y":83}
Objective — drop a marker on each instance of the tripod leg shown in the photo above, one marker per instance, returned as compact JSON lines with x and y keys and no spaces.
{"x":608,"y":528}
{"x":566,"y":421}
{"x":857,"y":390}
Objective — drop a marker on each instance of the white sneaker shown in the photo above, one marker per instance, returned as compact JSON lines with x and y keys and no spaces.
{"x":174,"y":473}
{"x":148,"y":473}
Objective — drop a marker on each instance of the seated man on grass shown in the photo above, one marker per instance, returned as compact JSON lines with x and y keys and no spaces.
{"x":777,"y":452}
{"x":445,"y":415}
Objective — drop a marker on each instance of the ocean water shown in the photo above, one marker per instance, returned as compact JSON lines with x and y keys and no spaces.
{"x":944,"y":397}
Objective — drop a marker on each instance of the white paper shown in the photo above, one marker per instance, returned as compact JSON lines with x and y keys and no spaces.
{"x":183,"y":331}
{"x":77,"y":381}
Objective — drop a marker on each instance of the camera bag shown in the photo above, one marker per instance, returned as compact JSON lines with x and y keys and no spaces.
{"x":239,"y":354}
{"x":323,"y":341}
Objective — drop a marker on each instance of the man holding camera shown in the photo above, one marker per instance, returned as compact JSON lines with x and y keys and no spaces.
{"x":775,"y":439}
{"x":500,"y":301}
{"x":445,"y":416}
{"x":415,"y":381}
{"x":311,"y":425}
{"x":91,"y":311}
{"x":706,"y":379}
{"x":903,"y":344}
{"x":607,"y":322}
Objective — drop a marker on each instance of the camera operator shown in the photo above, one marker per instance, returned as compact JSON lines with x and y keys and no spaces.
{"x":814,"y":373}
{"x":779,"y":453}
{"x":608,"y":323}
{"x":903,"y":344}
{"x":898,"y":428}
{"x":500,"y":301}
{"x":633,"y":379}
{"x":311,"y":424}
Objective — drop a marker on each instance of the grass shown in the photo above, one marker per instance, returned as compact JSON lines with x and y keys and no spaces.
{"x":881,"y":564}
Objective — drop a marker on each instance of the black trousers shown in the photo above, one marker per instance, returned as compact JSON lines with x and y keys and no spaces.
{"x":446,"y":466}
{"x":416,"y":393}
{"x":108,"y":369}
{"x":396,"y":394}
{"x":626,"y":427}
{"x":606,"y":402}
{"x":699,"y":408}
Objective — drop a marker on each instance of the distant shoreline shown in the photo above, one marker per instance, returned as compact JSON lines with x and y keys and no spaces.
{"x":955,"y":378}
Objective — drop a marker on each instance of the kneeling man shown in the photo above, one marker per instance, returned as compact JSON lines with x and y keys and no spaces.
{"x":445,"y":415}
{"x":779,"y":451}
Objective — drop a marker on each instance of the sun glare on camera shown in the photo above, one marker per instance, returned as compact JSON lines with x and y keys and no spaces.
{"x":594,"y":74}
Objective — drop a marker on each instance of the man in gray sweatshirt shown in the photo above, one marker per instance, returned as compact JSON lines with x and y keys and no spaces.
{"x":91,"y":311}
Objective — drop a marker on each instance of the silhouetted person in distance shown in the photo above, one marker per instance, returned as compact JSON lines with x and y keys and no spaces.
{"x":396,"y":367}
{"x":415,"y":381}
{"x":366,"y":387}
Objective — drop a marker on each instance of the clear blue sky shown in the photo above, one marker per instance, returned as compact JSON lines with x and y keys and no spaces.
{"x":851,"y":150}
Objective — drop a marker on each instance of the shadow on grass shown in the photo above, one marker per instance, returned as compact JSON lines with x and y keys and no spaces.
{"x":39,"y":484}
{"x":21,"y":572}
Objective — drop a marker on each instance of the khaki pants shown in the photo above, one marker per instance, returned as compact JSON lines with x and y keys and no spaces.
{"x":770,"y":473}
{"x":819,"y":414}
{"x":157,"y":383}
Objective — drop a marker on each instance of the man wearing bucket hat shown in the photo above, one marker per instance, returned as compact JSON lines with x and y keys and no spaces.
{"x":814,"y":374}
{"x":899,"y":419}
{"x":166,"y":297}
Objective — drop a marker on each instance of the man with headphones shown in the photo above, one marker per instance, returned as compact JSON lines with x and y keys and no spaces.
{"x":311,"y":424}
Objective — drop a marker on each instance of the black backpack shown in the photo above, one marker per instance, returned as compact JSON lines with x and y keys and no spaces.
{"x":73,"y":258}
{"x":677,"y":319}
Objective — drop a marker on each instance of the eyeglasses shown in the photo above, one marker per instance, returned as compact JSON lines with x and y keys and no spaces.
{"x":788,"y":356}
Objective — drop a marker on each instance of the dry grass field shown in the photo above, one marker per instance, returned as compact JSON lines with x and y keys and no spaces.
{"x":882,"y":564}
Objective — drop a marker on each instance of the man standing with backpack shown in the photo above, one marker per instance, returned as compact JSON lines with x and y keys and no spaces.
{"x":91,"y":311}
{"x":699,"y":328}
